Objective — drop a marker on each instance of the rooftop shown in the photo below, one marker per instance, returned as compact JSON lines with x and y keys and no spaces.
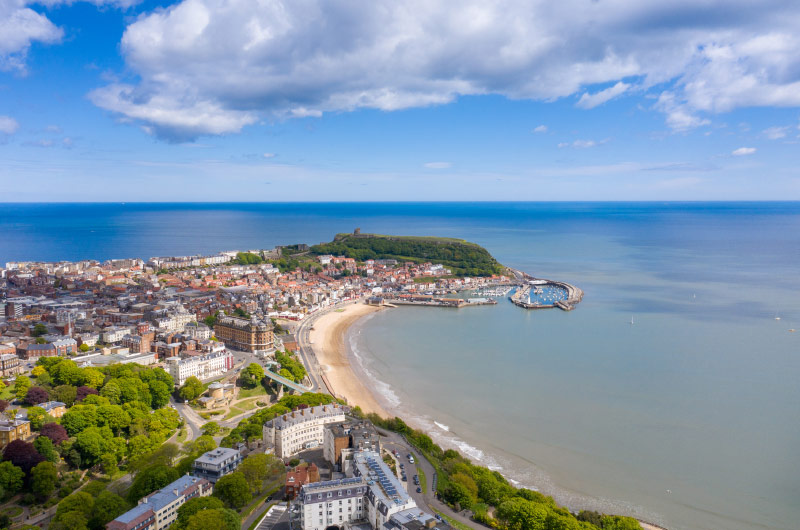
{"x":157,"y":500}
{"x":217,"y":456}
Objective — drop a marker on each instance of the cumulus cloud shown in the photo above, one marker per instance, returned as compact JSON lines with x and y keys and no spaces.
{"x":236,"y":62}
{"x":269,"y":155}
{"x":744,"y":151}
{"x":590,"y":101}
{"x":8,"y":125}
{"x":438,"y":165}
{"x":776,"y":133}
{"x":540,"y":129}
{"x":20,"y":26}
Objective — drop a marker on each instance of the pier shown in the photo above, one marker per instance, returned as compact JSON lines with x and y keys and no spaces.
{"x":432,"y":301}
{"x":522,"y":295}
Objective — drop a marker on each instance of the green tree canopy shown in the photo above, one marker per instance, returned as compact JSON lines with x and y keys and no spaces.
{"x":233,"y":490}
{"x":191,"y":389}
{"x":151,"y":479}
{"x":219,"y":519}
{"x":11,"y":478}
{"x":193,"y":506}
{"x":44,"y":479}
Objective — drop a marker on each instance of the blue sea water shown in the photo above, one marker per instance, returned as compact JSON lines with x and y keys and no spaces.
{"x":690,"y":417}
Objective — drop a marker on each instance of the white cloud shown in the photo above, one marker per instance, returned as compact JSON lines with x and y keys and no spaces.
{"x":269,"y":155}
{"x":245,"y":61}
{"x":540,"y":129}
{"x":590,"y":101}
{"x":744,"y":151}
{"x":583,"y":144}
{"x":776,"y":133}
{"x":438,"y":165}
{"x":8,"y":125}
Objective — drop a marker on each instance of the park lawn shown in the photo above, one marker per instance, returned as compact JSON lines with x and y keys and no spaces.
{"x":239,"y":408}
{"x":258,"y":390}
{"x":8,"y":393}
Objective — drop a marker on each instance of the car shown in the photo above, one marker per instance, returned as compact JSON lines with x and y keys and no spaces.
{"x":419,"y":490}
{"x":402,"y":466}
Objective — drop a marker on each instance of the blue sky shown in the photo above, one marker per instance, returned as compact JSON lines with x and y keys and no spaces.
{"x":333,"y":100}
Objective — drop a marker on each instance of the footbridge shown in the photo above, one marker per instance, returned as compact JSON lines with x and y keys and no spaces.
{"x":286,"y":382}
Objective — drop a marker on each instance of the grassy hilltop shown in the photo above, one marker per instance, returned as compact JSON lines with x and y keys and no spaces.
{"x":461,"y":257}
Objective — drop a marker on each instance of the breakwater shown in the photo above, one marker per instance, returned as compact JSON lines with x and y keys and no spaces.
{"x":522,"y":296}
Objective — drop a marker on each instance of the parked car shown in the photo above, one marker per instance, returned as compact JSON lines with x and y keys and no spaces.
{"x":419,"y":490}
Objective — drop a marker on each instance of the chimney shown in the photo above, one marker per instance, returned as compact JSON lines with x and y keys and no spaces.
{"x":144,"y":500}
{"x":302,"y":412}
{"x":324,"y":408}
{"x":430,"y":523}
{"x":292,"y":414}
{"x":175,"y":491}
{"x":284,"y":417}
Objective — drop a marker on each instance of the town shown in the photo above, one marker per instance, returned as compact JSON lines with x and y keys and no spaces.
{"x":175,"y":393}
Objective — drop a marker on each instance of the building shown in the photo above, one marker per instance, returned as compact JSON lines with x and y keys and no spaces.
{"x":10,"y":364}
{"x":332,"y":503}
{"x":55,"y":409}
{"x":251,"y":335}
{"x":159,"y":510}
{"x":11,"y":430}
{"x":299,"y":477}
{"x":197,"y":331}
{"x":201,"y":366}
{"x":301,"y":429}
{"x":32,"y":352}
{"x":352,"y":436}
{"x":385,"y":494}
{"x":216,"y":463}
{"x":65,"y":346}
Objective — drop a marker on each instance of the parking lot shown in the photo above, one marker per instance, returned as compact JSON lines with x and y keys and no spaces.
{"x":275,"y":515}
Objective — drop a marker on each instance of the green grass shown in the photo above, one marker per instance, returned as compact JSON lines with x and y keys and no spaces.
{"x":182,"y":435}
{"x":240,"y":408}
{"x":453,"y":522}
{"x":422,"y":481}
{"x":12,"y":511}
{"x":7,"y":393}
{"x":434,"y":279}
{"x":253,"y":505}
{"x":259,"y":390}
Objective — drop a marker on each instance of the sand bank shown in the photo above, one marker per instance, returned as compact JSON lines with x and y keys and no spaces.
{"x":327,"y":339}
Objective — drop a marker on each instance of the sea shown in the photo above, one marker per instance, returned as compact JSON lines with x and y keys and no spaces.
{"x":671,"y":393}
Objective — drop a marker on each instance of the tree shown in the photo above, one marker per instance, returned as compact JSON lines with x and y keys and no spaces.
{"x":107,"y":507}
{"x":11,"y":478}
{"x":55,"y":432}
{"x":233,"y":490}
{"x":38,"y":370}
{"x":84,"y":391}
{"x":252,"y":375}
{"x":39,"y":330}
{"x":92,"y":377}
{"x":22,"y":454}
{"x":113,"y":416}
{"x":78,"y":418}
{"x":191,"y":389}
{"x":71,"y":521}
{"x":44,"y":479}
{"x":65,"y":394}
{"x":38,"y":417}
{"x":211,"y":428}
{"x":151,"y":479}
{"x":109,"y":463}
{"x":44,"y":446}
{"x":36,"y":395}
{"x":258,"y":468}
{"x":618,"y":522}
{"x":220,"y":519}
{"x":194,"y":505}
{"x":92,"y":443}
{"x":74,"y":512}
{"x":159,"y":392}
{"x":521,"y":514}
{"x":84,"y":347}
{"x":21,"y":386}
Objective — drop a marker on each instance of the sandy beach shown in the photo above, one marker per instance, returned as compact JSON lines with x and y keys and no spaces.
{"x":328,"y":344}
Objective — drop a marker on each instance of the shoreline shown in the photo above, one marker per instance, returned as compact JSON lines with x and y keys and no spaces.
{"x":333,"y":357}
{"x":335,"y":360}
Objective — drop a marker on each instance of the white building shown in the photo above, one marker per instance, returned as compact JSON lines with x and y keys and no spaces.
{"x":373,"y":495}
{"x":201,"y":367}
{"x":301,"y":429}
{"x":115,"y":334}
{"x":332,"y":503}
{"x":159,"y":510}
{"x":197,"y":331}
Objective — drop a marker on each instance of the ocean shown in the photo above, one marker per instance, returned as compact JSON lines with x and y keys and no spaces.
{"x":689,"y":417}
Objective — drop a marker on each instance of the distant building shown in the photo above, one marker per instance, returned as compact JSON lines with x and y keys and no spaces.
{"x":201,"y":366}
{"x":243,"y":334}
{"x":10,"y":363}
{"x":332,"y":503}
{"x":216,"y":463}
{"x":159,"y":510}
{"x":35,"y":351}
{"x":54,"y":408}
{"x":301,"y":429}
{"x":11,"y":430}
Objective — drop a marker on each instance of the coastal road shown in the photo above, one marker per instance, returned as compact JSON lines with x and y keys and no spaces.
{"x":427,"y":499}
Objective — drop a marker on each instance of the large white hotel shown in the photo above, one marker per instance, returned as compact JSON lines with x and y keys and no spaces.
{"x":301,"y":429}
{"x":201,"y":366}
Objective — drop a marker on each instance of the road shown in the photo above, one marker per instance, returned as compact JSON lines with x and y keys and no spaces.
{"x":427,"y":499}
